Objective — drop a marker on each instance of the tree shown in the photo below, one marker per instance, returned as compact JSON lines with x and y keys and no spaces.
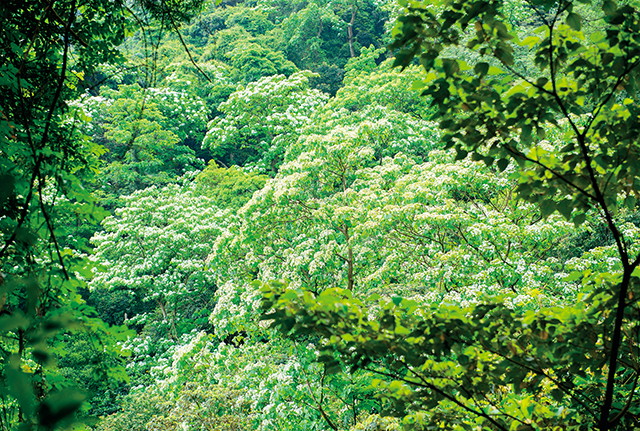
{"x":261,"y":120}
{"x":490,"y":365}
{"x":254,"y":62}
{"x":146,"y":133}
{"x":229,"y":188}
{"x":47,"y":51}
{"x":367,"y":84}
{"x":151,"y":248}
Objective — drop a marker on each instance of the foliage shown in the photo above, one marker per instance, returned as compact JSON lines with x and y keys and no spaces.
{"x":366,"y":84}
{"x":155,"y":261}
{"x":86,"y":366}
{"x":417,"y":291}
{"x":248,"y":386}
{"x":312,"y":35}
{"x":484,"y":366}
{"x":146,"y":133}
{"x":150,"y":248}
{"x":492,"y":365}
{"x":212,"y":89}
{"x":261,"y":120}
{"x":254,"y":62}
{"x":47,"y":50}
{"x":228,"y":187}
{"x":336,"y":216}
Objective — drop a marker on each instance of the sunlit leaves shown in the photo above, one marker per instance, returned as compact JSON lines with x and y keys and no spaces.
{"x":448,"y":362}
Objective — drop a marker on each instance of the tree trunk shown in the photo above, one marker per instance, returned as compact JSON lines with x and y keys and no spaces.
{"x":172,"y":334}
{"x":349,"y":259}
{"x":354,"y":10}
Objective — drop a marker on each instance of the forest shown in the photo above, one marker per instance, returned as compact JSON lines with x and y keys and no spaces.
{"x":354,"y":215}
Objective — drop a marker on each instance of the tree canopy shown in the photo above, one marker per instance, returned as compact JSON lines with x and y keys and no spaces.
{"x":348,"y":215}
{"x":573,"y":366}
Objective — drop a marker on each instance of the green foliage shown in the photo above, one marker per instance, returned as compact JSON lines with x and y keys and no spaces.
{"x":331,"y":32}
{"x":311,"y":36}
{"x":136,"y":413}
{"x":154,"y":264}
{"x":228,"y":187}
{"x":593,"y":233}
{"x":253,"y":385}
{"x":493,"y":365}
{"x":150,"y":249}
{"x":174,"y":11}
{"x":47,"y":50}
{"x":262,"y":120}
{"x":439,"y":230}
{"x":365,"y":63}
{"x":145,"y":132}
{"x":485,"y":366}
{"x":418,"y":291}
{"x":183,"y":77}
{"x":366,"y":85}
{"x":254,"y":62}
{"x":508,"y":113}
{"x":87,"y":366}
{"x":252,"y":20}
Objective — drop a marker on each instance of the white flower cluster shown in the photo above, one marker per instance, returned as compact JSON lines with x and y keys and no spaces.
{"x":268,"y":109}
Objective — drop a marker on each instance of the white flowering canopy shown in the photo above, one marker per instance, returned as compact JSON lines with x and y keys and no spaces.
{"x":261,"y":120}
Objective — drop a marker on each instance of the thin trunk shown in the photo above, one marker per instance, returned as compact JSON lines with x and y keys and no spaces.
{"x":350,"y":265}
{"x":315,"y":51}
{"x":350,"y":277}
{"x":165,"y":317}
{"x":605,"y":424}
{"x":354,"y":10}
{"x":173,"y":323}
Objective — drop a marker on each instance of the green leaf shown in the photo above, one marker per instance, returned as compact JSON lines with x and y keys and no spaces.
{"x":502,"y":164}
{"x":609,"y":7}
{"x":11,"y":322}
{"x":450,"y":66}
{"x":401,"y":330}
{"x":26,"y":235}
{"x":579,"y":218}
{"x":461,"y":154}
{"x":8,"y":182}
{"x":574,"y":21}
{"x":19,"y":384}
{"x":59,"y":406}
{"x":481,"y":69}
{"x":547,"y":207}
{"x":575,"y":275}
{"x":557,"y":394}
{"x":630,"y":202}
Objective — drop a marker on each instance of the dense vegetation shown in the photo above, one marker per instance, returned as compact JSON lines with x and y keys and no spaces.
{"x":345,"y":215}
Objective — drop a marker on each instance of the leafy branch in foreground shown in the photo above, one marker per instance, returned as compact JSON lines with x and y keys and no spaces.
{"x":486,"y":365}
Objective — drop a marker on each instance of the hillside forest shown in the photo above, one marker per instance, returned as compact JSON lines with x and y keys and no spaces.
{"x":319,"y":215}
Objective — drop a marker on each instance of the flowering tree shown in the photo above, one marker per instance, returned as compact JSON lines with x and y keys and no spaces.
{"x":156,"y":246}
{"x":336,"y":216}
{"x":147,"y":134}
{"x":261,"y":120}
